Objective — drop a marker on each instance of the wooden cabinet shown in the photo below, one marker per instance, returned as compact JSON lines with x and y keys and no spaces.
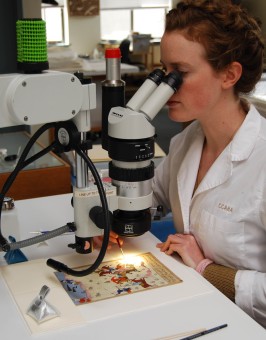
{"x":47,"y":176}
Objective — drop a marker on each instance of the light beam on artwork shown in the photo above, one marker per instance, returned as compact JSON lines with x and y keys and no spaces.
{"x":131,"y":259}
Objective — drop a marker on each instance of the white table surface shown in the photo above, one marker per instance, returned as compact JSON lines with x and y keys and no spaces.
{"x":147,"y":315}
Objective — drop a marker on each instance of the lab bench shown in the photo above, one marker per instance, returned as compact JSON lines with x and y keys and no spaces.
{"x":149,"y":315}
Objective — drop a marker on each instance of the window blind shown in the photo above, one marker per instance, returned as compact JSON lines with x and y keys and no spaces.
{"x":115,"y":4}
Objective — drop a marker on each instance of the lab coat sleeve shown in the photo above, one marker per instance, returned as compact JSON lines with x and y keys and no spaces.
{"x":250,"y":285}
{"x":251,"y":294}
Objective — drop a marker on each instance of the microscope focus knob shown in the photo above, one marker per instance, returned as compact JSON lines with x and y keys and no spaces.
{"x":97,"y":216}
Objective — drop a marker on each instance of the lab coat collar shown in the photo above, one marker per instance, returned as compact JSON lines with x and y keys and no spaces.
{"x":246,"y":136}
{"x":187,"y":174}
{"x":238,"y":150}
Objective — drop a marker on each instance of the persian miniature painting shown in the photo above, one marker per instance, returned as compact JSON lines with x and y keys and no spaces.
{"x":116,"y":278}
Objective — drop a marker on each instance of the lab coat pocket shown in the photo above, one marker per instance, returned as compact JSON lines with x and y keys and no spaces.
{"x":221,"y":240}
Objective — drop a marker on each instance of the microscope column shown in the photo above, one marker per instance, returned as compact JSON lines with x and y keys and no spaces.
{"x":113,"y":89}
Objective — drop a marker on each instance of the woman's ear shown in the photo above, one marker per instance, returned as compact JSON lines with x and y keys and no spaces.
{"x":232,"y":74}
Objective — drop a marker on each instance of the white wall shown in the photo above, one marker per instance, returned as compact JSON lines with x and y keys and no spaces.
{"x":84,"y":33}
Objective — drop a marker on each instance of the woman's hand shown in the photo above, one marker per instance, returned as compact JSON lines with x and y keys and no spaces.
{"x":98,"y":240}
{"x":186,"y":246}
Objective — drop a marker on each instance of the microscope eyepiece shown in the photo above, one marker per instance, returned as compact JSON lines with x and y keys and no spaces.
{"x":174,"y":80}
{"x":169,"y":85}
{"x":156,"y":76}
{"x":147,"y":88}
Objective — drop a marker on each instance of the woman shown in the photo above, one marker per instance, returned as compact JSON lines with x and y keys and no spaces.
{"x":214,"y":178}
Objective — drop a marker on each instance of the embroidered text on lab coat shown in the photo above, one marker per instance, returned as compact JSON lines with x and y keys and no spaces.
{"x":225,"y":207}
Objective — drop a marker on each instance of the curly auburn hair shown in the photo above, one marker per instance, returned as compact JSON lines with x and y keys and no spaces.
{"x":227,"y":32}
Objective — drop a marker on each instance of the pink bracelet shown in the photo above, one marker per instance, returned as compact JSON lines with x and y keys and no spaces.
{"x":202,"y":265}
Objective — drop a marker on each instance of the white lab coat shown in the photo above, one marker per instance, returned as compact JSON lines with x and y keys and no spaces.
{"x":227,"y":214}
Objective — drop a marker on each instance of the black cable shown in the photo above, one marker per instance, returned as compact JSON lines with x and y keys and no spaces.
{"x":62,"y":267}
{"x":4,"y":244}
{"x":23,"y":157}
{"x":20,"y":165}
{"x":39,"y":154}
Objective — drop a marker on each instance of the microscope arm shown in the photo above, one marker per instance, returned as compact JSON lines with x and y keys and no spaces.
{"x":48,"y":97}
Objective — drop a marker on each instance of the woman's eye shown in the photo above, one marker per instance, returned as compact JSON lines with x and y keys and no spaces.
{"x":177,"y":69}
{"x":183,"y":73}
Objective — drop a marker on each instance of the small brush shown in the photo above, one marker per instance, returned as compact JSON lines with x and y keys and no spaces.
{"x":119,"y":245}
